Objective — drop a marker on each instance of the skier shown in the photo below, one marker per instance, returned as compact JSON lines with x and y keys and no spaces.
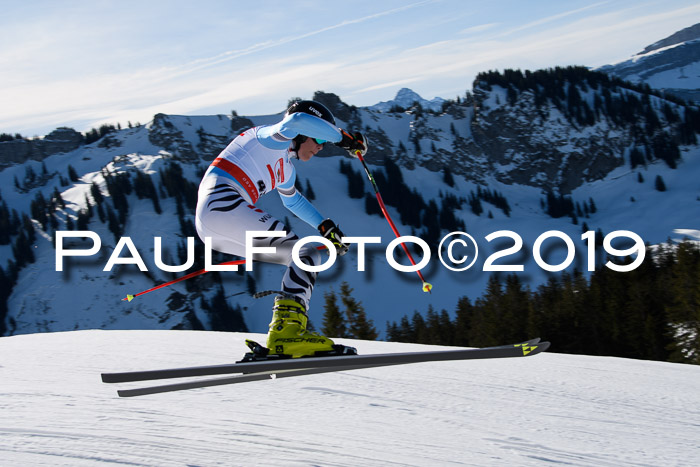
{"x":253,"y":164}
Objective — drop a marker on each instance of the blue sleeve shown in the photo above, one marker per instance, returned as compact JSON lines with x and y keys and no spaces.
{"x":297,"y":204}
{"x":277,"y":136}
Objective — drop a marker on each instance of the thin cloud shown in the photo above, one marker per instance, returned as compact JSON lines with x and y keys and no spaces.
{"x":233,"y":54}
{"x":550,"y":19}
{"x":389,"y":55}
{"x":479,"y":28}
{"x":465,"y":57}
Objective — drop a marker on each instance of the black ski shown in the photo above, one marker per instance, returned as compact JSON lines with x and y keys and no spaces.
{"x":262,"y":376}
{"x":271,"y":366}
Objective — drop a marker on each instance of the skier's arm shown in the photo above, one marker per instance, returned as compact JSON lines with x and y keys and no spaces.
{"x":277,"y":136}
{"x":298,"y":204}
{"x":304,"y":210}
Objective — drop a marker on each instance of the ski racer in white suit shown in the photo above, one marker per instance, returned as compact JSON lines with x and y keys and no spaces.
{"x":257,"y":162}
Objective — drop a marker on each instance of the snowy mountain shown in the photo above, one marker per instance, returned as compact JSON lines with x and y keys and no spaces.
{"x":405,"y":99}
{"x":550,"y":408}
{"x":671,"y":64}
{"x":511,"y":147}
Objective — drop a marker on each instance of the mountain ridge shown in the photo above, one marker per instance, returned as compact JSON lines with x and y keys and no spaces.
{"x":548,"y":142}
{"x":407,"y":98}
{"x":671,"y":64}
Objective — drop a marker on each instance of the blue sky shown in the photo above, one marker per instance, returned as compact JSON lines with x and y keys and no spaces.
{"x":83,"y":63}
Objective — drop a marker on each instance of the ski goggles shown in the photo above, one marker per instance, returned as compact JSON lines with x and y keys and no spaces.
{"x":320,"y":141}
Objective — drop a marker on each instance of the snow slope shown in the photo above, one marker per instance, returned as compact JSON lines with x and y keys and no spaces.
{"x":46,"y":300}
{"x":671,"y":64}
{"x":573,"y":410}
{"x":84,"y":296}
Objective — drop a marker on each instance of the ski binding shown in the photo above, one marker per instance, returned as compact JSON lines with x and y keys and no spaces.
{"x":259,"y":353}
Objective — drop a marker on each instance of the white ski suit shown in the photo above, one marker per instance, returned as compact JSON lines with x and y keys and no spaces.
{"x":255,"y":163}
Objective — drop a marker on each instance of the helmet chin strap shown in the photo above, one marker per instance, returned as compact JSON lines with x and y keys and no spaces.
{"x":297,"y":141}
{"x":293,"y":150}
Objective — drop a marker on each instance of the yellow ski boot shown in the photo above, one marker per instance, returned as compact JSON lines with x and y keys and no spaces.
{"x":288,"y":335}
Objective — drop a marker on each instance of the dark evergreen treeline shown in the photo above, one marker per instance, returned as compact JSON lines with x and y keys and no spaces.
{"x":32,"y":179}
{"x":19,"y":232}
{"x":10,"y":137}
{"x":488,"y":195}
{"x":553,"y":85}
{"x":351,"y":321}
{"x":112,"y":208}
{"x":96,"y":133}
{"x":657,"y":122}
{"x":651,"y":313}
{"x":222,"y":316}
{"x":427,"y":218}
{"x":90,"y":136}
{"x":560,"y":206}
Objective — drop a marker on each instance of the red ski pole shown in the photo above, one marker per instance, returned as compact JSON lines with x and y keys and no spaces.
{"x":191,"y":275}
{"x":427,"y":287}
{"x":183,"y":278}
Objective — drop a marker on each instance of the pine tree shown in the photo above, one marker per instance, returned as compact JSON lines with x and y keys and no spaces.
{"x":371,"y":205}
{"x":112,"y":223}
{"x":6,"y":285}
{"x":488,"y":317}
{"x":636,"y":158}
{"x":420,"y":329}
{"x":359,"y":326}
{"x":393,"y":332}
{"x":251,"y":285}
{"x":447,"y":177}
{"x":684,"y":309}
{"x":463,"y":322}
{"x":101,"y":213}
{"x":406,"y":331}
{"x":83,"y":220}
{"x":57,"y":199}
{"x":515,"y":303}
{"x":659,"y":183}
{"x":22,"y":250}
{"x":72,"y":174}
{"x":592,"y":208}
{"x":433,"y":325}
{"x":5,"y":224}
{"x":333,"y":320}
{"x":447,"y":329}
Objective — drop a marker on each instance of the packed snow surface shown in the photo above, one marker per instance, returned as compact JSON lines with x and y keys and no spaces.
{"x":549,"y":408}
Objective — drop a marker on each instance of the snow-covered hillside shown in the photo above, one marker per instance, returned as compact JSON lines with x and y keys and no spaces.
{"x":671,"y":64}
{"x":84,"y":296}
{"x":550,"y":408}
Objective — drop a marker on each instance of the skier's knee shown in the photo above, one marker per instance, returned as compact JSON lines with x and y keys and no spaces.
{"x":309,"y":255}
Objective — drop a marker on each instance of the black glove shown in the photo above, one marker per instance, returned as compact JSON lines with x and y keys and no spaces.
{"x":331,"y":231}
{"x":354,"y":142}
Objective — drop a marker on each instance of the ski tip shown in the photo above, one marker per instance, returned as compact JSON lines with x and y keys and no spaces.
{"x":427,"y":287}
{"x":533,"y":347}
